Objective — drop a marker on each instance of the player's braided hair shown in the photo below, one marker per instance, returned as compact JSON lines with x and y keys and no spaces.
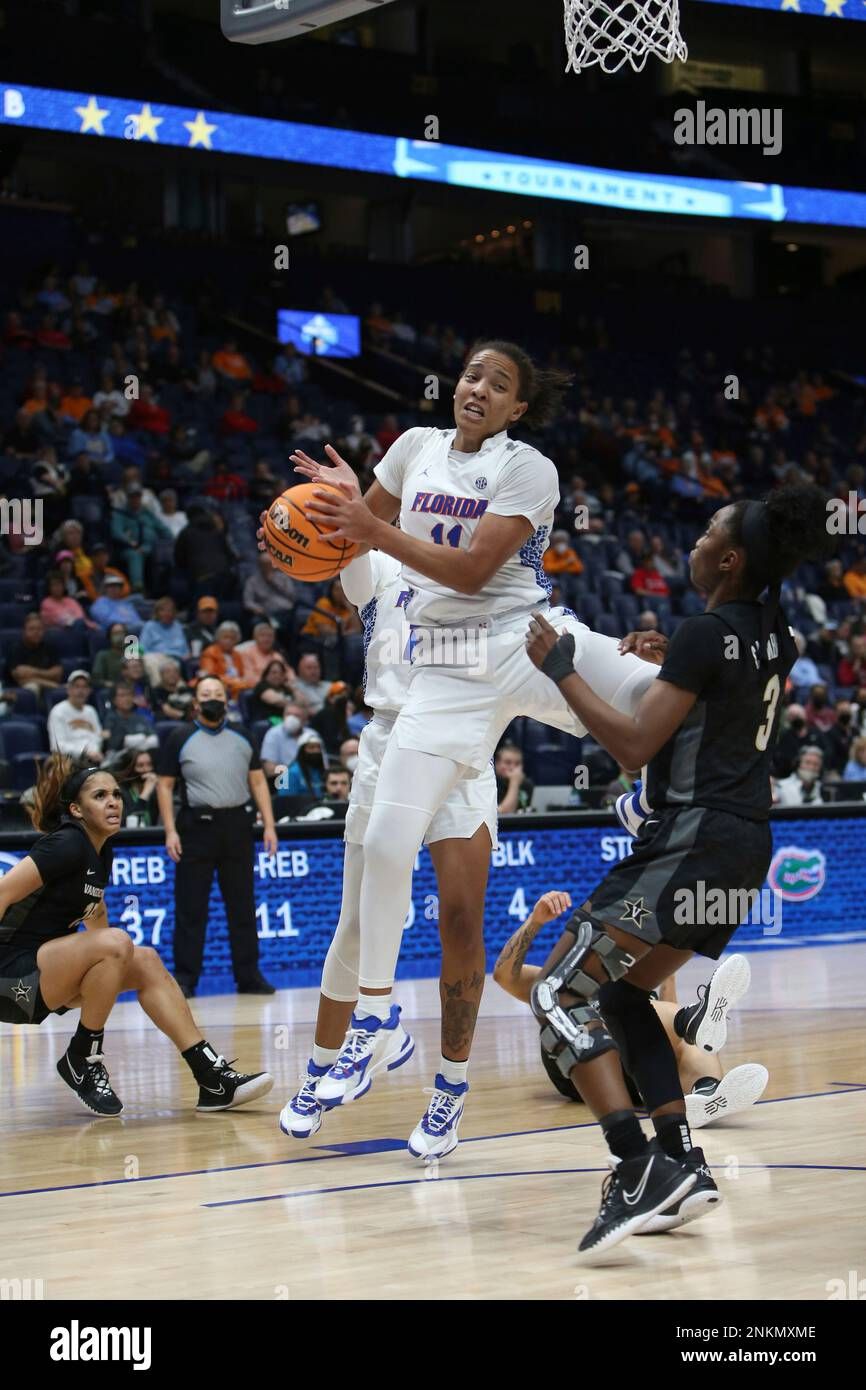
{"x":59,"y":782}
{"x":543,"y":388}
{"x":779,"y":533}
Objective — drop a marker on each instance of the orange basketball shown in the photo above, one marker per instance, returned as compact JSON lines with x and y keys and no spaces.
{"x":300,"y":546}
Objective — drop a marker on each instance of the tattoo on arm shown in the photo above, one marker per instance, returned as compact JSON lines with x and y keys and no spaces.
{"x":516,"y":948}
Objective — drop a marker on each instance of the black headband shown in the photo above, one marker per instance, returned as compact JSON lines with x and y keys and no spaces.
{"x":74,"y":782}
{"x":755,"y":537}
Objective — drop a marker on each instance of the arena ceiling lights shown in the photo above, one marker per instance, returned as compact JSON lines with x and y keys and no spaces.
{"x":267,"y":21}
{"x":119,"y":118}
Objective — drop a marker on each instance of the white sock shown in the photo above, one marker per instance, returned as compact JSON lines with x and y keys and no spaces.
{"x":325,"y":1056}
{"x":374,"y":1006}
{"x":455,"y":1073}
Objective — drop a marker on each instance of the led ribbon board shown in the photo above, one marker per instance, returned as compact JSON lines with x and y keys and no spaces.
{"x":98,"y":117}
{"x":825,"y":9}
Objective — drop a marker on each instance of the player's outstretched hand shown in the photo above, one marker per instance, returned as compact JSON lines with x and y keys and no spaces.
{"x":343,"y":510}
{"x":651,"y":646}
{"x":551,"y":905}
{"x":337,"y":471}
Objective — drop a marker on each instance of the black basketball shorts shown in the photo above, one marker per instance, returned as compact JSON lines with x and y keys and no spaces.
{"x":686,"y":882}
{"x":20,"y":996}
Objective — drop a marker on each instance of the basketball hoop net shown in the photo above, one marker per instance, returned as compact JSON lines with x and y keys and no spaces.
{"x":613,"y":32}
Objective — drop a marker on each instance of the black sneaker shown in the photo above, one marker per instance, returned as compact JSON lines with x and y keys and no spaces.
{"x":257,"y":985}
{"x":703,"y":1197}
{"x":631,"y":1195}
{"x":226,"y":1089}
{"x":90,"y":1083}
{"x":705,"y":1024}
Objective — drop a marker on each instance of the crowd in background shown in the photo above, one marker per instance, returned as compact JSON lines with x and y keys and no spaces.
{"x":153,"y":447}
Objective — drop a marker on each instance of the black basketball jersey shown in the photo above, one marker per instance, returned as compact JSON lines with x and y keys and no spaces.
{"x":720,"y":755}
{"x":74,"y":879}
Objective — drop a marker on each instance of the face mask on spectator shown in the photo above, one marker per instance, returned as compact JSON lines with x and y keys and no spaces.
{"x":292,"y":724}
{"x":351,"y":762}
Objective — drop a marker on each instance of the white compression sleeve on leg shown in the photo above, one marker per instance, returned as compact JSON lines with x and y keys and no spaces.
{"x":340,"y":971}
{"x":411,"y":788}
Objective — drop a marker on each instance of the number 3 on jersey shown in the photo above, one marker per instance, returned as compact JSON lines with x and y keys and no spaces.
{"x":452,"y":537}
{"x":771,"y":699}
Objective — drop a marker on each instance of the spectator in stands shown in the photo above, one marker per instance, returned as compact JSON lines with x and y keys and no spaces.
{"x":795,"y":735}
{"x":647,"y":621}
{"x":289,"y":366}
{"x":838,"y":739}
{"x":147,"y":414}
{"x":222,"y":659}
{"x":162,"y":633}
{"x":348,"y":754}
{"x":832,"y":589}
{"x":172,"y":698}
{"x":331,"y":618}
{"x":265,"y":485}
{"x":309,"y":686}
{"x":269,"y":592}
{"x":137,"y":530}
{"x":131,"y":479}
{"x":59,"y":609}
{"x":388,"y":432}
{"x":855,"y":768}
{"x":668,"y":562}
{"x":855,"y":578}
{"x":306,"y":775}
{"x":74,"y":727}
{"x":92,"y":438}
{"x":230,"y":363}
{"x":127,"y":448}
{"x":99,"y":571}
{"x":203,"y":553}
{"x":136,"y":778}
{"x":202,"y":632}
{"x":331,"y":720}
{"x":260,"y":650}
{"x":48,"y":481}
{"x":64,"y":562}
{"x":338,"y":784}
{"x":75,"y":404}
{"x":280,"y":743}
{"x":133,"y":672}
{"x":172,"y":519}
{"x":111,"y":608}
{"x":108,"y":662}
{"x":21,"y":441}
{"x":632,"y":556}
{"x":823,"y":647}
{"x":50,"y":335}
{"x":205,"y":378}
{"x":108,"y":400}
{"x":225,"y":486}
{"x":820,"y":714}
{"x":513,"y":789}
{"x":126,"y":725}
{"x":804,"y":671}
{"x":803,"y":787}
{"x":646,"y":581}
{"x":273,"y":693}
{"x":851,"y":670}
{"x":85,"y":480}
{"x":563,"y":564}
{"x":34,"y":662}
{"x":311,"y":429}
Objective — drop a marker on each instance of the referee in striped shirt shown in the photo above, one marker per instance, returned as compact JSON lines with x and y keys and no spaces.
{"x":220,"y":776}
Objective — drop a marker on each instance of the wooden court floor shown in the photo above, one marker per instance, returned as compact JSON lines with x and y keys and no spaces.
{"x":164,"y":1203}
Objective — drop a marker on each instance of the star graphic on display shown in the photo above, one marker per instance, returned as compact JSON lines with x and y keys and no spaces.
{"x":791,"y":5}
{"x":834,"y":7}
{"x":92,"y":117}
{"x":21,"y":993}
{"x":635,"y":911}
{"x":200,"y":131}
{"x":145,"y":123}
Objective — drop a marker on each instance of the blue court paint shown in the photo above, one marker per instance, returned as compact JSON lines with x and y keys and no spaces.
{"x":523,"y":1173}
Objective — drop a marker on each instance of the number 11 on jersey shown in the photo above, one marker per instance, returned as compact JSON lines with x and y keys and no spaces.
{"x":452,"y":537}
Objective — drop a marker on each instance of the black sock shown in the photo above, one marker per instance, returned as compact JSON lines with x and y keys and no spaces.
{"x":624,"y":1136}
{"x":705,"y":1085}
{"x":85,"y":1043}
{"x":672,"y":1132}
{"x":200,"y":1059}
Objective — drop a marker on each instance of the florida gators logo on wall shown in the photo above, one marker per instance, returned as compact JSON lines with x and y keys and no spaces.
{"x":797,"y":874}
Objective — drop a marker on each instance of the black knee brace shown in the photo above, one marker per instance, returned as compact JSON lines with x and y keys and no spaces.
{"x":644,"y":1047}
{"x":570,"y":1024}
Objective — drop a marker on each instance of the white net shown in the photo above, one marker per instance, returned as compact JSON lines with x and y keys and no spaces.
{"x":612,"y":34}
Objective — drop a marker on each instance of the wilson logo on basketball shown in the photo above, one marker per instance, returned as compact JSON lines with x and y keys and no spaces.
{"x":797,"y":874}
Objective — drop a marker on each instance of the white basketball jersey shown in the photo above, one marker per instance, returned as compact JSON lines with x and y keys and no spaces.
{"x":374,"y":584}
{"x":444,"y":494}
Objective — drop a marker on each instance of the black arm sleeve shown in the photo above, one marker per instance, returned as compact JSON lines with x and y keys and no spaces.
{"x":695,"y":653}
{"x":61,"y":853}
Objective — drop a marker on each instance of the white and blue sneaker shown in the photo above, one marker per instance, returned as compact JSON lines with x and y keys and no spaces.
{"x":632,"y":809}
{"x":301,"y":1116}
{"x":371,"y":1046}
{"x":435,"y":1135}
